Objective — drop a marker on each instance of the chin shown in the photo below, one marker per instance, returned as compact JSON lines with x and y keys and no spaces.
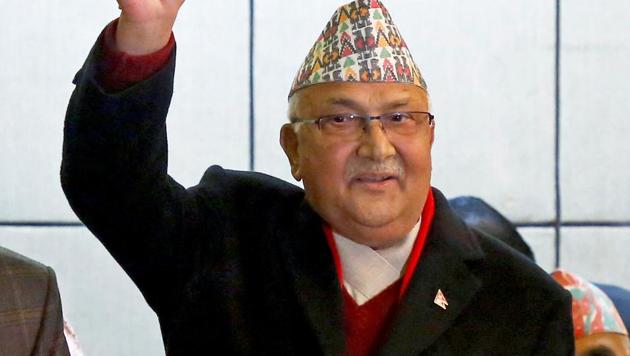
{"x":379,"y":237}
{"x":374,"y":225}
{"x":376,"y":211}
{"x":374,"y":219}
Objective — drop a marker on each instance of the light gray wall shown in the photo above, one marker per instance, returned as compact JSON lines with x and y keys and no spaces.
{"x":491,"y":71}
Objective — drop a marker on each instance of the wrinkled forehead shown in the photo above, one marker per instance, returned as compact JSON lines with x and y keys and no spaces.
{"x":365,"y":98}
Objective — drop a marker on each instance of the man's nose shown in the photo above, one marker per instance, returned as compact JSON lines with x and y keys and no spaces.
{"x":374,"y":142}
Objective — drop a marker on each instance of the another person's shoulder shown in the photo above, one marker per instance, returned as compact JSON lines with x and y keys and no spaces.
{"x":253,"y":196}
{"x":23,"y":281}
{"x":31,"y":321}
{"x":621,"y":298}
{"x":13,"y":263}
{"x":507,"y":254}
{"x":254,"y":185}
{"x":509,"y":269}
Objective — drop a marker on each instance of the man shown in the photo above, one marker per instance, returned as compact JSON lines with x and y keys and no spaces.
{"x":31,"y":321}
{"x":366,"y":259}
{"x":599,"y":330}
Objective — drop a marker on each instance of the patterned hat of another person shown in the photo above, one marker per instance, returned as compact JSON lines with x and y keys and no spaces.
{"x":360,"y":43}
{"x":593,"y":311}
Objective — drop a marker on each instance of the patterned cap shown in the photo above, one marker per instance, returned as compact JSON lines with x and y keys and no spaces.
{"x":593,"y":311}
{"x":360,"y":43}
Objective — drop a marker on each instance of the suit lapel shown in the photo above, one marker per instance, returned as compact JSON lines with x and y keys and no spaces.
{"x":443,"y":267}
{"x":312,"y":271}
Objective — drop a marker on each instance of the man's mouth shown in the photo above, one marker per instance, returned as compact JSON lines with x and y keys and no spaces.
{"x":374,"y":178}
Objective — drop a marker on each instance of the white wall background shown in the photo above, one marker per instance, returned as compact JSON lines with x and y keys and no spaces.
{"x":491,"y":71}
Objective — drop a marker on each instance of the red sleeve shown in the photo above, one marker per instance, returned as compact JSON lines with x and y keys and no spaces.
{"x":119,"y":70}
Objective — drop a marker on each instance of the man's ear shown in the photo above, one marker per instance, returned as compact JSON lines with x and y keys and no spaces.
{"x":432,"y":133}
{"x":289,"y":143}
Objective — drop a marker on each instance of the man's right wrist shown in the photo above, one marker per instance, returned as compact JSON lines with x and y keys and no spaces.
{"x":141,"y":39}
{"x":119,"y":70}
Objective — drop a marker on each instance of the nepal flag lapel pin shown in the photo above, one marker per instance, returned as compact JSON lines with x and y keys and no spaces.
{"x":440,"y":300}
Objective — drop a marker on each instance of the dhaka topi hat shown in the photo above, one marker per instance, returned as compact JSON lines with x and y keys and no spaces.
{"x":360,"y":43}
{"x":593,"y":312}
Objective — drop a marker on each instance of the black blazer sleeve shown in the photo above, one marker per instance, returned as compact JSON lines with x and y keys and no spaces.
{"x":114,"y":175}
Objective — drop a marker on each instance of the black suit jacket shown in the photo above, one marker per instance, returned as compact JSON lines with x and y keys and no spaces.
{"x":239,"y":263}
{"x":31,"y":321}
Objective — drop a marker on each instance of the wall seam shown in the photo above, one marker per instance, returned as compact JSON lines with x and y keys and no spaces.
{"x":557,"y":184}
{"x":252,"y":127}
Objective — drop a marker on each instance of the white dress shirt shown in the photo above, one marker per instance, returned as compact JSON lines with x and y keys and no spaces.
{"x":366,"y":271}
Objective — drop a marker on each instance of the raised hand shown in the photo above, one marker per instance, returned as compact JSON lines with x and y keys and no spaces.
{"x":145,"y":25}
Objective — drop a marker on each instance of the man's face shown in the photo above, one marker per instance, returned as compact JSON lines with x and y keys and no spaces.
{"x":370,"y":187}
{"x":603,"y":344}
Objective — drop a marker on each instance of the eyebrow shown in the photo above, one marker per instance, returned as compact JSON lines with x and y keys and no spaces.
{"x":402,"y":102}
{"x":599,"y":351}
{"x":345,"y":102}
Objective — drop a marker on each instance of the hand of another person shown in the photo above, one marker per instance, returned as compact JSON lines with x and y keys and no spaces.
{"x":145,"y":25}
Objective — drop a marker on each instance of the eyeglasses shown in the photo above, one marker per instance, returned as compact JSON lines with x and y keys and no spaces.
{"x":400,"y":123}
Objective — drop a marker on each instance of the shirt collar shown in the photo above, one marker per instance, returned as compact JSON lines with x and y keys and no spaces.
{"x":367,"y":272}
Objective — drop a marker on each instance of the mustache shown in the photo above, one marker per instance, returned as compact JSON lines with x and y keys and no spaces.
{"x":358,"y":166}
